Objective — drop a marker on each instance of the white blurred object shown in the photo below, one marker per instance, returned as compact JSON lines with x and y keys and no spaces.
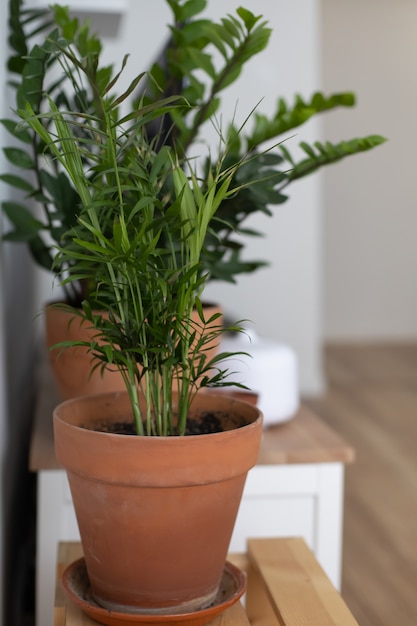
{"x":271,"y":370}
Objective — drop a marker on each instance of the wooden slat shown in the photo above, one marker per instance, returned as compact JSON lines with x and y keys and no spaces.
{"x":60,"y":616}
{"x":235,"y":616}
{"x":304,"y":439}
{"x":300,"y":592}
{"x":68,"y":552}
{"x":259,"y":609}
{"x":286,"y":587}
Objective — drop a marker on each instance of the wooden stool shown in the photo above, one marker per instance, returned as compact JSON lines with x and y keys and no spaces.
{"x":286,"y":587}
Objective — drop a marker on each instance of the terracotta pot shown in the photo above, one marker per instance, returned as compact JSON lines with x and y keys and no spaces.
{"x":71,"y":368}
{"x":155,"y":514}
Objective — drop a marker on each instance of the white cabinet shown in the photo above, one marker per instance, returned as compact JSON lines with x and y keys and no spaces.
{"x":301,"y":500}
{"x":295,"y":490}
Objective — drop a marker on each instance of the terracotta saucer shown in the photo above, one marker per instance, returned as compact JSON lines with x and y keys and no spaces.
{"x":77,"y":586}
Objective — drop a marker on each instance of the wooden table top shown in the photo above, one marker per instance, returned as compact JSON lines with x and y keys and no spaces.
{"x":285,"y":587}
{"x":303,"y":439}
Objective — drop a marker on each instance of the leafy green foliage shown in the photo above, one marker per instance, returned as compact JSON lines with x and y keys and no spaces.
{"x":320,"y":154}
{"x":50,"y":203}
{"x":194,"y":74}
{"x":287,"y":117}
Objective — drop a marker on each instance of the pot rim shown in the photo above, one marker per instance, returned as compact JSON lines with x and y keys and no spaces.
{"x":144,"y":456}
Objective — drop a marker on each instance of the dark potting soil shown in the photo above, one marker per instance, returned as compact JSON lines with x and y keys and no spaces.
{"x":207,"y":423}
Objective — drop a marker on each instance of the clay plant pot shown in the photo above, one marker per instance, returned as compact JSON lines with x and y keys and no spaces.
{"x":155,"y":514}
{"x":72,"y":367}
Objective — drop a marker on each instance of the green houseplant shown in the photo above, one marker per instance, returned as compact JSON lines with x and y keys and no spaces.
{"x":140,"y":243}
{"x":49,"y":206}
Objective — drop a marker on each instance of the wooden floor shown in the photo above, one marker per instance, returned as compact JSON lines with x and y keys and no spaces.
{"x":372,"y":401}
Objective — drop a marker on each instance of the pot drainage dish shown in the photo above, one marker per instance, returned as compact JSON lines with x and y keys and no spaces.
{"x":77,"y":586}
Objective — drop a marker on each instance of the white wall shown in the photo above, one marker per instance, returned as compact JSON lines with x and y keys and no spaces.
{"x":370,"y":224}
{"x":284,"y":300}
